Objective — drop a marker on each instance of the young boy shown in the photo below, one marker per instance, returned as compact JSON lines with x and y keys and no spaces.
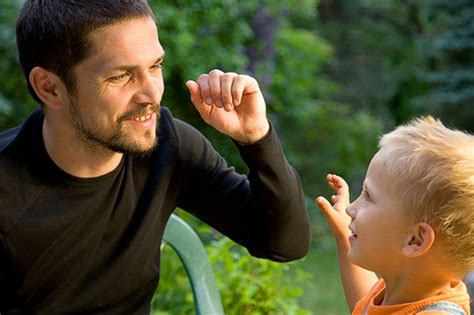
{"x":412,"y":225}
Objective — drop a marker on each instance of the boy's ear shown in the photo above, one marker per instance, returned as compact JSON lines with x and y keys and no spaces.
{"x":48,"y":87}
{"x":420,"y":241}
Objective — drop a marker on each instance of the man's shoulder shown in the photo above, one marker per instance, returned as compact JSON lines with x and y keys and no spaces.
{"x":7,"y":137}
{"x":166,"y":126}
{"x":11,"y":136}
{"x":14,"y":189}
{"x":175,"y":128}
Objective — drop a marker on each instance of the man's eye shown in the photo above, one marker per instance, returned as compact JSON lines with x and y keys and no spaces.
{"x":157,"y":66}
{"x":119,"y":78}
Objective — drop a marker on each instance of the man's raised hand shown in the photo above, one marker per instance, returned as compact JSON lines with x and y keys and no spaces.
{"x":231,"y":103}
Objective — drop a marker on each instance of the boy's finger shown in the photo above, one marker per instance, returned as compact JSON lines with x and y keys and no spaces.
{"x":324,"y":205}
{"x":340,"y":182}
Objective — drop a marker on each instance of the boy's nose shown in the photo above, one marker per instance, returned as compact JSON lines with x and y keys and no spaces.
{"x":350,"y":211}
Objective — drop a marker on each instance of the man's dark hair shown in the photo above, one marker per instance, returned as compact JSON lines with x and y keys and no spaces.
{"x":54,"y":34}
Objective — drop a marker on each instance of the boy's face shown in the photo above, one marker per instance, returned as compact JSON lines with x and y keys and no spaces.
{"x":379,"y":224}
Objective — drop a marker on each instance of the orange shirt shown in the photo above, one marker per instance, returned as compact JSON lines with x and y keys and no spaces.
{"x":457,"y":294}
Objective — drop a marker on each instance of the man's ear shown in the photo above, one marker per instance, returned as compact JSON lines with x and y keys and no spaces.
{"x":420,"y":240}
{"x":48,"y":87}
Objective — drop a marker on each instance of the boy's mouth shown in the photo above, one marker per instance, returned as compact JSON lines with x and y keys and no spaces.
{"x":353,"y":235}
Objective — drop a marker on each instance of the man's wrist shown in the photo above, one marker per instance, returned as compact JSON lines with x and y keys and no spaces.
{"x":256,"y":137}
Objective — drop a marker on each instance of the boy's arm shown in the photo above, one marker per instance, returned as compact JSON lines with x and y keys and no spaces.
{"x":356,"y":281}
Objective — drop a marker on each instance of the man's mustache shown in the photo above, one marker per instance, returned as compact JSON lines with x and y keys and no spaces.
{"x":140,"y":111}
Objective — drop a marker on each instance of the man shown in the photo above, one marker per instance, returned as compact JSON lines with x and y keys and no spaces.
{"x":89,"y":181}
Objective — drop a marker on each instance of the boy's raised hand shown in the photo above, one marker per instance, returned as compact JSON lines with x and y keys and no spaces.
{"x":335,"y":214}
{"x":355,"y":280}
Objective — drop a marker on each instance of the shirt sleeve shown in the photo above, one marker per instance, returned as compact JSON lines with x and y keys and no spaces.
{"x":5,"y":290}
{"x":264,"y":210}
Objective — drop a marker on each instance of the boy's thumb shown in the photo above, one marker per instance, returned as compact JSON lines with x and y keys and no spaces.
{"x":323,"y":204}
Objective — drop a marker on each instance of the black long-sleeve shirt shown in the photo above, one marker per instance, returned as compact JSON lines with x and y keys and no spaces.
{"x":92,"y":245}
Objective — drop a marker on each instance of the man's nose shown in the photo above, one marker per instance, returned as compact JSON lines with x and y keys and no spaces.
{"x":151,"y":89}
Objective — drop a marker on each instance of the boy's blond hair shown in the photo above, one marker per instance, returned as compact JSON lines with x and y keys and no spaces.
{"x":432,"y":169}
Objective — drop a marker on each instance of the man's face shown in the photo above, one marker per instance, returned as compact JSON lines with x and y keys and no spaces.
{"x":119,"y":88}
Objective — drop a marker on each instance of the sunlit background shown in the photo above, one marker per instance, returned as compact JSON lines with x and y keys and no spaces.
{"x":336,"y":74}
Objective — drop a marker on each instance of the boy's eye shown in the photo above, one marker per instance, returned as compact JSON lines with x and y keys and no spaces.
{"x":367,"y":196}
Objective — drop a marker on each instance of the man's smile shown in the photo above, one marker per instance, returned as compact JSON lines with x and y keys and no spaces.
{"x":143,"y":118}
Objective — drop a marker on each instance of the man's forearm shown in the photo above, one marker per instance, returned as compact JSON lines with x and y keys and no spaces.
{"x":283,"y":224}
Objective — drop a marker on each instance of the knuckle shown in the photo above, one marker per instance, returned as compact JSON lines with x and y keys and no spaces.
{"x":215,"y":72}
{"x":230,"y":75}
{"x":227,"y":76}
{"x":202,"y":77}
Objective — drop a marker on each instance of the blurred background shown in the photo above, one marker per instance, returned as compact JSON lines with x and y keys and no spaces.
{"x":336,"y":74}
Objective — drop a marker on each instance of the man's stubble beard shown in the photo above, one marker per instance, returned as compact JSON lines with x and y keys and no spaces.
{"x":89,"y":131}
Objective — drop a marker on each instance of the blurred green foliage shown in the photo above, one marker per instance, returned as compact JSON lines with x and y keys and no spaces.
{"x":336,"y":74}
{"x":15,"y":102}
{"x":255,"y":286}
{"x":174,"y":294}
{"x":247,"y":285}
{"x":401,"y":59}
{"x":450,"y":47}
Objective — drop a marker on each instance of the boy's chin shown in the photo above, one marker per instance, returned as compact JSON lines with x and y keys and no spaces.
{"x":355,"y":258}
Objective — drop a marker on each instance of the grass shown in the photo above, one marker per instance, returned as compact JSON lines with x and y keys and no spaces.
{"x":319,"y":281}
{"x":323,"y":293}
{"x":322,"y":289}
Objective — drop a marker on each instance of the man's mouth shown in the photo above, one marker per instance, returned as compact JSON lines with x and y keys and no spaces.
{"x":141,"y":114}
{"x":143,"y":118}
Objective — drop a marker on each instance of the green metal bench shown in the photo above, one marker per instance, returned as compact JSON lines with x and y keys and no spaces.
{"x":187,"y":244}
